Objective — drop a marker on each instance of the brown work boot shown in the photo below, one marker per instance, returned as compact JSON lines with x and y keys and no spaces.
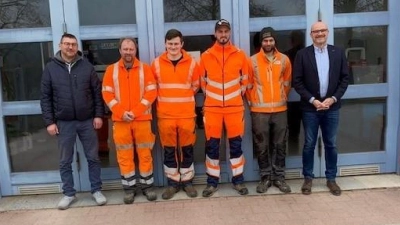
{"x":282,"y":185}
{"x":150,"y":194}
{"x":169,"y":192}
{"x":190,"y":191}
{"x":333,"y":187}
{"x":209,"y":191}
{"x":306,"y":188}
{"x":241,"y":189}
{"x":129,"y":197}
{"x":263,"y":186}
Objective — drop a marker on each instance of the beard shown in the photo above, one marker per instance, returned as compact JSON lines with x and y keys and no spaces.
{"x":223,"y":40}
{"x":268,"y":49}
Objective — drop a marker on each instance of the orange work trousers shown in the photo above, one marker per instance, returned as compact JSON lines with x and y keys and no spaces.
{"x":178,"y":135}
{"x":130,"y":136}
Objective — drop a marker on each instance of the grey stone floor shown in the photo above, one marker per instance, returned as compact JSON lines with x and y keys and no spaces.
{"x":49,"y":201}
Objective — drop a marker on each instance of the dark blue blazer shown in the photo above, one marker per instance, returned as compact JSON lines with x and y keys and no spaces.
{"x":306,"y":80}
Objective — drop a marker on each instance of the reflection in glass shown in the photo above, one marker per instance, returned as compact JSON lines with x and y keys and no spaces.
{"x":105,"y":12}
{"x":30,"y":147}
{"x":107,"y":153}
{"x":368,"y":124}
{"x":24,"y":14}
{"x":366,"y":51}
{"x":21,"y":69}
{"x":191,"y":10}
{"x":262,"y":8}
{"x":352,"y":6}
{"x":101,"y":52}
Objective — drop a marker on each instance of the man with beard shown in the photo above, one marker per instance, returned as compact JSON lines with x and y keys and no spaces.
{"x":224,"y":81}
{"x":269,"y":80}
{"x":321,"y":77}
{"x":72,"y":106}
{"x":129,"y":89}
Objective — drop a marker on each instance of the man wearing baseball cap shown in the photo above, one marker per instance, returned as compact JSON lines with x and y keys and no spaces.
{"x":224,"y":80}
{"x":269,"y":80}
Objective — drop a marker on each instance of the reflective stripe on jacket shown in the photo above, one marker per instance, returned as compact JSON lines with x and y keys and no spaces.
{"x":134,"y":90}
{"x":176,"y":85}
{"x":224,"y":78}
{"x":269,"y":82}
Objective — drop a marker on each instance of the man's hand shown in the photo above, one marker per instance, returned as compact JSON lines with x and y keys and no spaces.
{"x":128,"y":116}
{"x":319,"y":105}
{"x":328,"y":102}
{"x":52,"y":129}
{"x":97,"y":123}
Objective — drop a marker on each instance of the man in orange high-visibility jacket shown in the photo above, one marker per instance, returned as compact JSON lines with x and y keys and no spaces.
{"x":269,"y":78}
{"x":129,"y":89}
{"x":224,"y":80}
{"x":177,"y":75}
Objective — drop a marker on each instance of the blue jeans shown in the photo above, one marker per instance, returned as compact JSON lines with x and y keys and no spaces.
{"x":66,"y":141}
{"x":328,"y":121}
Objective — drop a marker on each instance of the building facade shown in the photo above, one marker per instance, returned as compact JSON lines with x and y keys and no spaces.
{"x":30,"y":31}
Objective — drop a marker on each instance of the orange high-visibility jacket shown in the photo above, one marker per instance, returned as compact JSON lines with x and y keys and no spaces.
{"x":269,"y":82}
{"x":224,"y":78}
{"x":176,"y":85}
{"x":134,"y":90}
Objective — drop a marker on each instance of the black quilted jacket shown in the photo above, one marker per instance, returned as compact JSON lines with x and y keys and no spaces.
{"x":70,"y":91}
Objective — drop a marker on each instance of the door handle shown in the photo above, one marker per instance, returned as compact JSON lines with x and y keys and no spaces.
{"x":319,"y":142}
{"x":78,"y":165}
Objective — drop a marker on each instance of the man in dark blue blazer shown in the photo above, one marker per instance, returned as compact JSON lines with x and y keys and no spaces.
{"x":321,"y":77}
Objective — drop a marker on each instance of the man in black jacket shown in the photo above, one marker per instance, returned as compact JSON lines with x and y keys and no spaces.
{"x":72,"y":105}
{"x":321,"y":77}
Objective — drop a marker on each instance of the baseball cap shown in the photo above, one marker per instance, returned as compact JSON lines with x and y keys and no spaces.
{"x":267,"y":32}
{"x":221,"y":23}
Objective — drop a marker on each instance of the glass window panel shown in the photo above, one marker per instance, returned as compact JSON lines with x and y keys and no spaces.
{"x":191,"y":10}
{"x":21,"y":67}
{"x":107,"y":152}
{"x":352,"y":6}
{"x":122,"y":11}
{"x":24,"y":14}
{"x":101,"y":52}
{"x":368,"y":124}
{"x":30,"y":147}
{"x":366,"y":50}
{"x":262,"y":8}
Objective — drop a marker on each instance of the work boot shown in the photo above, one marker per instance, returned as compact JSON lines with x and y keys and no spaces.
{"x":150,"y":194}
{"x":209,"y":191}
{"x":190,"y":191}
{"x":129,"y":197}
{"x":241,"y":189}
{"x":263,"y":186}
{"x":169,"y":192}
{"x":333,"y":187}
{"x":282,"y":185}
{"x":306,"y":188}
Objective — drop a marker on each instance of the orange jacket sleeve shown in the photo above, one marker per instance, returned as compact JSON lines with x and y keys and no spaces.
{"x":287,"y":76}
{"x":245,"y":74}
{"x":251,"y":78}
{"x":196,"y":78}
{"x":109,"y":95}
{"x":150,"y":92}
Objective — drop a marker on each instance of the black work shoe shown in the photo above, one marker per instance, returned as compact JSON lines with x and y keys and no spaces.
{"x":241,"y":189}
{"x":282,"y":185}
{"x":169,"y":192}
{"x":263,"y":186}
{"x":190,"y":191}
{"x":129,"y":198}
{"x":150,"y":194}
{"x":333,"y":188}
{"x":209,"y":191}
{"x":306,"y":188}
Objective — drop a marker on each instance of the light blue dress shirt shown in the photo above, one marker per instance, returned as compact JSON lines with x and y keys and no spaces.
{"x":322,"y":58}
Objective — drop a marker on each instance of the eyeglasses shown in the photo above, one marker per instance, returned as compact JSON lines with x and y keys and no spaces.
{"x":69,"y":44}
{"x":318,"y":31}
